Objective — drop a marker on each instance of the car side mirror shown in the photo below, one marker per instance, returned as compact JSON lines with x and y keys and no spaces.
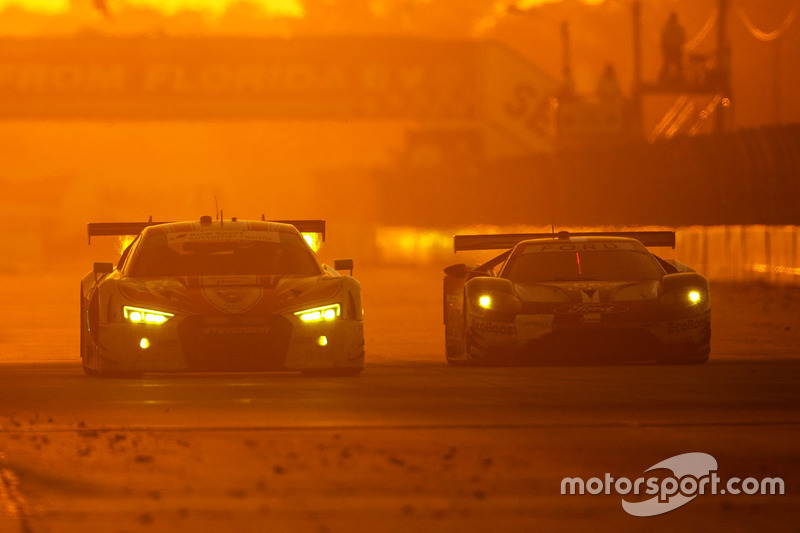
{"x":103,"y":268}
{"x":457,"y":271}
{"x":343,"y":264}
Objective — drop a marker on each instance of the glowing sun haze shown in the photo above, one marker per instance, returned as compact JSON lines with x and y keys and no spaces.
{"x":39,"y":6}
{"x":287,"y":8}
{"x":524,"y":4}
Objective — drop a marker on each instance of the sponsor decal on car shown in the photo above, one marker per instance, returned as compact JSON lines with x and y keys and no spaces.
{"x":582,"y":308}
{"x":497,"y":328}
{"x":578,"y":247}
{"x":224,"y":235}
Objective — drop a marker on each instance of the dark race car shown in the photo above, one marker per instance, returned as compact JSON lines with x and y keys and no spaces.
{"x":579,"y":296}
{"x":219,"y":296}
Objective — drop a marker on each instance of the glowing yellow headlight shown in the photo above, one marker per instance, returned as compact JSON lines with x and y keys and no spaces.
{"x":138,"y":315}
{"x":317,"y":314}
{"x":485,"y":301}
{"x":694,"y":296}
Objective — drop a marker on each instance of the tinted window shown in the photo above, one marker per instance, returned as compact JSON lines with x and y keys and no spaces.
{"x":617,"y":265}
{"x":157,"y":257}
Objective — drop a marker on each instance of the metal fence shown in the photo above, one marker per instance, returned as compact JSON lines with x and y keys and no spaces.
{"x":755,"y":253}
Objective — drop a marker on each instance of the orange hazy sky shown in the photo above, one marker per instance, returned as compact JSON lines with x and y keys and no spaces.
{"x":600,"y":32}
{"x":63,"y":174}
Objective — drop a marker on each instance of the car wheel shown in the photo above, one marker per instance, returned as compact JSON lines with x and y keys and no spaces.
{"x":86,"y":370}
{"x":471,"y":355}
{"x":454,"y":354}
{"x":457,"y":362}
{"x":84,"y":352}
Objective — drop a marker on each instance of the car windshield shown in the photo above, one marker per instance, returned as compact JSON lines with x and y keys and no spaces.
{"x":159,"y":257}
{"x":600,"y":265}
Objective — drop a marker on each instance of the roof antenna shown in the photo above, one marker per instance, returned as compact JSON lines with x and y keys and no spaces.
{"x":216,"y":204}
{"x":221,"y":219}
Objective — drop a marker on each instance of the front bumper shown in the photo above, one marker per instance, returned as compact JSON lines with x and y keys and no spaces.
{"x":232,"y":343}
{"x":532,"y":335}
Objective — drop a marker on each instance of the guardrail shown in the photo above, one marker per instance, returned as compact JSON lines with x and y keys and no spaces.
{"x":754,"y":253}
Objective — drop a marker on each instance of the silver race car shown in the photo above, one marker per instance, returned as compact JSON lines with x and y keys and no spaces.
{"x":572,"y":296}
{"x":213,"y":295}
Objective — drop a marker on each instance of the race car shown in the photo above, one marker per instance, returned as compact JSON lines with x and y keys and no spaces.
{"x":219,"y":295}
{"x":574,"y":296}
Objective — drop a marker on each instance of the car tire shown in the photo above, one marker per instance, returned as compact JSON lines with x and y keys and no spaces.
{"x":470,"y":357}
{"x":455,"y":355}
{"x":457,"y":362}
{"x":453,"y":351}
{"x":86,"y":369}
{"x":91,"y":372}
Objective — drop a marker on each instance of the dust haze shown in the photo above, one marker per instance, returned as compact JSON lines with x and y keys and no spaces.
{"x":400,"y":123}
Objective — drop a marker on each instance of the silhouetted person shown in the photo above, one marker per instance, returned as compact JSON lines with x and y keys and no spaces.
{"x":608,"y":87}
{"x":673,"y":37}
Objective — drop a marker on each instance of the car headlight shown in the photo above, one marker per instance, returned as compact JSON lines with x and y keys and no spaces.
{"x":690,"y":296}
{"x":494,"y":304}
{"x":137,"y":315}
{"x":683,"y":298}
{"x":319,"y":314}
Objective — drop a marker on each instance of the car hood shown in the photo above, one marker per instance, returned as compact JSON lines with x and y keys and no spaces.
{"x":587,"y":291}
{"x":229,"y":294}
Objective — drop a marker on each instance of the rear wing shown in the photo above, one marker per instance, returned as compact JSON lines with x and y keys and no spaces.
{"x":306,"y":226}
{"x":506,"y":241}
{"x":102,"y":229}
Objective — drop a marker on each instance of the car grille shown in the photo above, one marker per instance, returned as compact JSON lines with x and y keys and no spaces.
{"x":234,"y":342}
{"x":593,"y":344}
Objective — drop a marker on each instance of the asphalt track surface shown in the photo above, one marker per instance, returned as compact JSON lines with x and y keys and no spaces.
{"x":411,"y":444}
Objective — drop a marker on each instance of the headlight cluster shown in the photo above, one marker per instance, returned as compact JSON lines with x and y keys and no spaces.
{"x":686,"y":297}
{"x":319,"y":314}
{"x":498,"y":305}
{"x":137,"y":315}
